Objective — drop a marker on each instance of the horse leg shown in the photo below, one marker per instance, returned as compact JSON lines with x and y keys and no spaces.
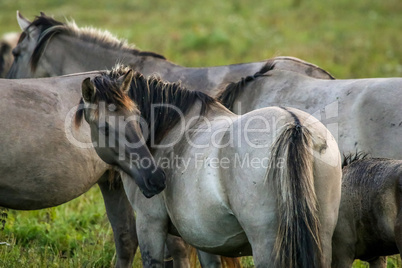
{"x":380,"y":262}
{"x":398,"y":221}
{"x":261,"y":236}
{"x":178,"y":250}
{"x":209,"y":260}
{"x":261,"y":251}
{"x":152,"y":235}
{"x":121,"y":217}
{"x":327,"y":184}
{"x":151,"y":223}
{"x":342,"y":255}
{"x":344,"y":238}
{"x":168,"y":259}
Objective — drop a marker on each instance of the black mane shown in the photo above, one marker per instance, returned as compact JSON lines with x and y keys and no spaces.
{"x":353,"y":157}
{"x":229,"y":94}
{"x":147,"y":91}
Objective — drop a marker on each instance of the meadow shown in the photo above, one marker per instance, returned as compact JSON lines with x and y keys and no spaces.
{"x":350,"y":39}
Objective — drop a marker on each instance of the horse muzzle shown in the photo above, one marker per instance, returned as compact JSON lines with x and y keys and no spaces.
{"x":154,"y":183}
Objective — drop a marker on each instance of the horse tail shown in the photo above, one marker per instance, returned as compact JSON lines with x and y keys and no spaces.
{"x":298,"y":241}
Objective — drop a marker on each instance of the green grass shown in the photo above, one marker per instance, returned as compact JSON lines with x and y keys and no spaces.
{"x":76,"y":234}
{"x":350,"y":39}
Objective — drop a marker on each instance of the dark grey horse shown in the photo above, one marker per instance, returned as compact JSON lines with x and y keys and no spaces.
{"x":370,"y":217}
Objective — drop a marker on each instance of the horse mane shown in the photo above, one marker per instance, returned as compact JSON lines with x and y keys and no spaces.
{"x":353,"y":157}
{"x":50,"y":27}
{"x":143,"y":93}
{"x":231,"y":91}
{"x":366,"y":175}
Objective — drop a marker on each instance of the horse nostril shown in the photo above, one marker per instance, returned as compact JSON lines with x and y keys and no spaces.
{"x":158,"y":179}
{"x":162,"y":175}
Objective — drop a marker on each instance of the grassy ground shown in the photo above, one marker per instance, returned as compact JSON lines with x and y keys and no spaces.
{"x":350,"y":39}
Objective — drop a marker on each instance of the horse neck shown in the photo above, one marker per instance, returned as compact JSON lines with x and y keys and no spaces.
{"x":207,"y":80}
{"x":69,"y":54}
{"x":81,"y":56}
{"x":302,"y":67}
{"x":176,"y":138}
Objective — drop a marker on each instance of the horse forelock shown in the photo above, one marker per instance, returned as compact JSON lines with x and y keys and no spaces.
{"x":228,"y":94}
{"x":153,"y":97}
{"x":50,"y":27}
{"x":79,"y":114}
{"x":108,"y":92}
{"x":44,"y":22}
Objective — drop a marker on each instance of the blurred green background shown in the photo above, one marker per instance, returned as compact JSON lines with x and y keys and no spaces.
{"x":350,"y":39}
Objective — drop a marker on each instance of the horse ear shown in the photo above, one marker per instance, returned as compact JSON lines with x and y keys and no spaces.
{"x":124,"y":81}
{"x":88,"y":89}
{"x":22,"y":22}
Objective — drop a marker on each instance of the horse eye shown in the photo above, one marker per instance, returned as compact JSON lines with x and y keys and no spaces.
{"x":105,"y":130}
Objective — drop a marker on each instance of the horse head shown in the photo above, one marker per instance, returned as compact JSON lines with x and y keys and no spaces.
{"x":29,"y":38}
{"x":116,"y":131}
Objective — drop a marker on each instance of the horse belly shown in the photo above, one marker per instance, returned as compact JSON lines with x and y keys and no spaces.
{"x":217,"y":233}
{"x":202,"y":216}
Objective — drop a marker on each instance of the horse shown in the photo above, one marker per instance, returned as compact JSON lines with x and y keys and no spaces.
{"x":370,"y":221}
{"x":265,"y":183}
{"x":43,"y":41}
{"x":7,"y":43}
{"x":45,"y":162}
{"x":363,"y":114}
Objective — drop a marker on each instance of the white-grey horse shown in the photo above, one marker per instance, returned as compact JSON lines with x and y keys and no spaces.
{"x":363,"y":114}
{"x":44,"y":162}
{"x":370,"y":217}
{"x":265,"y":183}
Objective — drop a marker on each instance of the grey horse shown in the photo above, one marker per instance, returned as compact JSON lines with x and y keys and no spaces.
{"x":370,"y":218}
{"x":45,"y":162}
{"x":363,"y":114}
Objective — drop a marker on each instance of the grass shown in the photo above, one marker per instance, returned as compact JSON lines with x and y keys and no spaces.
{"x":350,"y":39}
